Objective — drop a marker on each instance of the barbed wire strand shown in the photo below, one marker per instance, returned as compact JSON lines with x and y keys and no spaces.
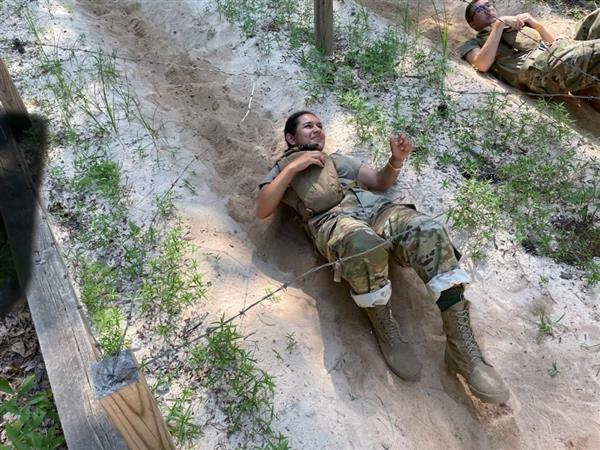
{"x":11,"y":43}
{"x":155,"y":216}
{"x":282,"y":287}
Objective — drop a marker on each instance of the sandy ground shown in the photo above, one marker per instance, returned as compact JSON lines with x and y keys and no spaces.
{"x":334,"y":390}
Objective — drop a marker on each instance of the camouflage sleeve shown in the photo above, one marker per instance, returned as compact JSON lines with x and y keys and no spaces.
{"x":346,"y":166}
{"x":467,"y":47}
{"x":269,"y":177}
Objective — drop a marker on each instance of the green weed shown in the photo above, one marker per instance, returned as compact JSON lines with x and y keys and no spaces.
{"x":30,"y":420}
{"x":546,"y":326}
{"x":550,"y":195}
{"x":376,"y":59}
{"x":291,"y":343}
{"x":164,"y":204}
{"x":98,"y":288}
{"x":476,"y":208}
{"x":179,"y":419}
{"x":106,"y":74}
{"x":245,"y":391}
{"x":170,"y":281}
{"x":214,"y":258}
{"x":553,"y":370}
{"x":98,"y":174}
{"x":320,"y":74}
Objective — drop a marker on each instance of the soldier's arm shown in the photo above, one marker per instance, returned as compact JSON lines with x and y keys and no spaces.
{"x":483,"y":58}
{"x":537,"y":26}
{"x":384,"y":178}
{"x":270,"y":195}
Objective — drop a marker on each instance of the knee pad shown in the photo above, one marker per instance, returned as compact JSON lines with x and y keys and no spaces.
{"x":379,"y":297}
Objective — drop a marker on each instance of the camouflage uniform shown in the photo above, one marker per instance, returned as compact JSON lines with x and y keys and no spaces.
{"x":363,"y":220}
{"x":561,"y":67}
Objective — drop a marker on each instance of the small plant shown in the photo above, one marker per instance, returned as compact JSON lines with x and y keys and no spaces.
{"x":171,"y":280}
{"x":376,"y":58}
{"x":277,"y":355}
{"x":442,"y":62}
{"x":30,"y":420}
{"x":593,"y":273}
{"x":320,"y":74}
{"x":274,"y":298}
{"x":291,"y":343}
{"x":214,"y":258}
{"x":477,"y":208}
{"x":244,"y":391}
{"x":553,"y":370}
{"x":107,"y":77}
{"x":179,"y":419}
{"x":98,"y":174}
{"x":98,"y":287}
{"x":164,"y":204}
{"x":546,"y":326}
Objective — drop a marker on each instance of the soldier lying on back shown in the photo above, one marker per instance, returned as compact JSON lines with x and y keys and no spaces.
{"x":332,"y":195}
{"x":521,"y":51}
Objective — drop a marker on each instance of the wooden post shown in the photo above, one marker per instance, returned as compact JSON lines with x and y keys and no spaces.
{"x":11,"y":100}
{"x":63,"y":334}
{"x":126,"y":398}
{"x":324,"y":25}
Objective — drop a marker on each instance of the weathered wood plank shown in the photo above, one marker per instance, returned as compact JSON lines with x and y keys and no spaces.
{"x":127,"y":400}
{"x":10,"y":98}
{"x":324,"y":25}
{"x":62,"y":331}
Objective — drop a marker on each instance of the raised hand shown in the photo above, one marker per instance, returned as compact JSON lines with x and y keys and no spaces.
{"x":515,"y":22}
{"x":401,"y":147}
{"x":529,"y":21}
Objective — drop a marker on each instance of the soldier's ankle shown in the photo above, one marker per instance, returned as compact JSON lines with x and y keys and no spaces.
{"x":450,"y":297}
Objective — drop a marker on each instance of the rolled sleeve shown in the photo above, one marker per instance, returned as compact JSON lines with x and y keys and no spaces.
{"x":468,"y":47}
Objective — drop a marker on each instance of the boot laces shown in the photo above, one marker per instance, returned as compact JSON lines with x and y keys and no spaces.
{"x":390,"y":327}
{"x":466,"y":333}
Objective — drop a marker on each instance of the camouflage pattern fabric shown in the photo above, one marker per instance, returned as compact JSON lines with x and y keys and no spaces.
{"x":589,"y":28}
{"x":418,"y":242}
{"x":561,"y":67}
{"x":566,"y":65}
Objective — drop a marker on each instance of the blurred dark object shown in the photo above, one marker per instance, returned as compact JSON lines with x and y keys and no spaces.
{"x":18,"y":46}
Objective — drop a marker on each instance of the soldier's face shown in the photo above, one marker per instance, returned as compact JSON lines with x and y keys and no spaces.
{"x":483,"y":14}
{"x":309,"y":131}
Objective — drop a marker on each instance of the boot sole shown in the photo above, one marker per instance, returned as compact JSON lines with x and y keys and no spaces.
{"x":496,"y":399}
{"x":501,"y":397}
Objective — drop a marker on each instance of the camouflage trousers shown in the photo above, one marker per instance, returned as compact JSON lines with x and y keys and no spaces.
{"x":415,"y":240}
{"x":566,"y":65}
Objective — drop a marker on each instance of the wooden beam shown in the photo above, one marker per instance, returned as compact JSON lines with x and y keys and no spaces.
{"x":11,"y":100}
{"x":127,"y":400}
{"x":63,"y":334}
{"x":324,"y":25}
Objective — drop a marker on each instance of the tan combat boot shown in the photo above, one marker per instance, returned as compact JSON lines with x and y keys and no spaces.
{"x":463,"y":356}
{"x":398,"y":353}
